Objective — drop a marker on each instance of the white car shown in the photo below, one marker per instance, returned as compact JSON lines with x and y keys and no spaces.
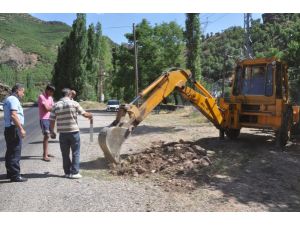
{"x":113,"y":105}
{"x":1,"y":106}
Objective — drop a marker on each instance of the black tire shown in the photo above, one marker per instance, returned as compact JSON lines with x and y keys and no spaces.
{"x":221,"y":134}
{"x":232,"y":133}
{"x":296,"y":129}
{"x":283,"y":135}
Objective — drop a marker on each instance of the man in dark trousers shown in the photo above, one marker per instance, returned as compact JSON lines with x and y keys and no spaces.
{"x":65,"y":113}
{"x":14,"y":133}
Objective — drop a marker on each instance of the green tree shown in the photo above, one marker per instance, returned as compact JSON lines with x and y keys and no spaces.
{"x":70,"y":67}
{"x":159,"y":48}
{"x":147,"y":53}
{"x":170,"y":39}
{"x":77,"y":68}
{"x":60,"y":76}
{"x":92,"y":64}
{"x":123,"y":81}
{"x":293,"y":59}
{"x":278,"y":36}
{"x":106,"y":59}
{"x":92,"y":55}
{"x":193,"y":45}
{"x":220,"y":52}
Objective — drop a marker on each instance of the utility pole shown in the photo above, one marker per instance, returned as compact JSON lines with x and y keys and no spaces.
{"x":100,"y":82}
{"x":135,"y":63}
{"x":223,"y":80}
{"x":225,"y":58}
{"x":248,"y":49}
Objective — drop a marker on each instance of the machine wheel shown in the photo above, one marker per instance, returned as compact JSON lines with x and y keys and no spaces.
{"x":296,"y":129}
{"x":232,"y":133}
{"x":221,"y":134}
{"x":284,"y":133}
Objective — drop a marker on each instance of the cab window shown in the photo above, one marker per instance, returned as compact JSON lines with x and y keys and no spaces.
{"x":254,"y":80}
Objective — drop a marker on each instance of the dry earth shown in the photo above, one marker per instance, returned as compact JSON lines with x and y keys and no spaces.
{"x":181,"y":153}
{"x":172,"y":162}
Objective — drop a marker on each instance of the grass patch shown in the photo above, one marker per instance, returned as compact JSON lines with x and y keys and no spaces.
{"x":98,"y":174}
{"x":188,"y":116}
{"x":93,"y":105}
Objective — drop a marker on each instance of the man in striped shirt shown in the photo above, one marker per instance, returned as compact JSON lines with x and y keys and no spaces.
{"x":65,"y":113}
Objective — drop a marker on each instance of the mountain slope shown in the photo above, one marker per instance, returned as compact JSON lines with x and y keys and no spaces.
{"x":33,"y":35}
{"x":28,"y":51}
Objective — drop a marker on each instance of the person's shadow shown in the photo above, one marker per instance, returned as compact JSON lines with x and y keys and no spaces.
{"x":97,"y":164}
{"x":3,"y":178}
{"x":28,"y":157}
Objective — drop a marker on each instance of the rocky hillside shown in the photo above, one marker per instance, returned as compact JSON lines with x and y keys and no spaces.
{"x":14,"y":57}
{"x":28,"y":50}
{"x":31,"y":36}
{"x":4,"y":91}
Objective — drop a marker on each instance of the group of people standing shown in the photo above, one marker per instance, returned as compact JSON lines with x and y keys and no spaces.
{"x":64,"y":113}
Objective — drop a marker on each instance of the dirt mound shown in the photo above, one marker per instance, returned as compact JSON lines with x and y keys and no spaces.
{"x":16,"y":58}
{"x":179,"y":163}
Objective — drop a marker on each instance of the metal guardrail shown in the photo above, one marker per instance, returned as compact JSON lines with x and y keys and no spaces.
{"x":29,"y":104}
{"x":168,"y":107}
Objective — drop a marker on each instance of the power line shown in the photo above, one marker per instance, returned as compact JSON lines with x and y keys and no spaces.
{"x":225,"y":14}
{"x":208,"y":15}
{"x":116,"y":27}
{"x":203,"y":24}
{"x":207,"y":22}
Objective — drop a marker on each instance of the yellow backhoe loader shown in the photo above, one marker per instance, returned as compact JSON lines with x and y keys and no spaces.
{"x":259,"y":99}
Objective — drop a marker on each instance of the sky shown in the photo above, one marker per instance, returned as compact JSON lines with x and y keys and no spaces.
{"x":115,"y":25}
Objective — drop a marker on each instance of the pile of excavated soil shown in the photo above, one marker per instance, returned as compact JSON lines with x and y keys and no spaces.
{"x":180,"y":163}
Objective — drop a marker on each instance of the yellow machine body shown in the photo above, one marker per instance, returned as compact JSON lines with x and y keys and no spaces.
{"x":254,"y":109}
{"x":259,"y":99}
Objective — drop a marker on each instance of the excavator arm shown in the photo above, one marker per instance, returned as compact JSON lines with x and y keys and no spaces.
{"x":205,"y":103}
{"x":129,"y":116}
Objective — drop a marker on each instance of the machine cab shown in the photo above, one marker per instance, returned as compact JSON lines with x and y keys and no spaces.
{"x":260,"y":80}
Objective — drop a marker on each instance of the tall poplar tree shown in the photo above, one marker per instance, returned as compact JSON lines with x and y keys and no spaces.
{"x":92,"y":55}
{"x":70,"y":67}
{"x":92,"y":64}
{"x":193,"y":44}
{"x":77,"y":68}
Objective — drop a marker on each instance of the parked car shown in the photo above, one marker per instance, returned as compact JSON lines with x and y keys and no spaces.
{"x":113,"y":105}
{"x":1,"y":106}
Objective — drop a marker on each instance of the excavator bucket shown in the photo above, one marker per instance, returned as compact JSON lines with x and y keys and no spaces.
{"x":110,"y":140}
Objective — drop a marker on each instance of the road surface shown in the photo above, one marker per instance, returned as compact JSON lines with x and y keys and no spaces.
{"x":47,"y":190}
{"x":32,"y":128}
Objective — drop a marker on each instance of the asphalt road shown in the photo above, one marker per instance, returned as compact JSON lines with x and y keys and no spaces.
{"x":47,"y":189}
{"x":32,"y":128}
